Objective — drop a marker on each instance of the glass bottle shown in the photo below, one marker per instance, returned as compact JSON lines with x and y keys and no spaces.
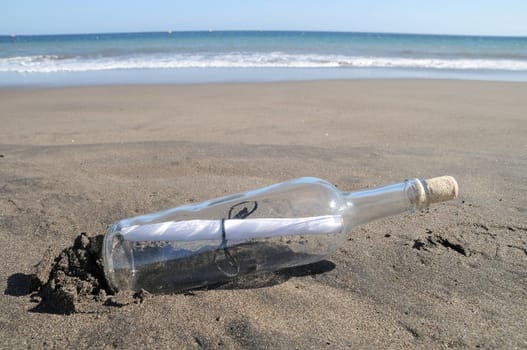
{"x":292,"y":223}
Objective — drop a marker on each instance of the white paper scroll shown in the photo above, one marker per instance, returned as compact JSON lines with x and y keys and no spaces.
{"x":235,"y":229}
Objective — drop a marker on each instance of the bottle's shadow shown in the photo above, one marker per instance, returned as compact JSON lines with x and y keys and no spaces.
{"x":269,"y":279}
{"x":217,"y":268}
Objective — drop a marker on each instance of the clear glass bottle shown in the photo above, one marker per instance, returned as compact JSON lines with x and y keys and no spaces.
{"x":288,"y":224}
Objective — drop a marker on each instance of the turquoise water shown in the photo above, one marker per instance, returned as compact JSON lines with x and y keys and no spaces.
{"x":255,"y":56}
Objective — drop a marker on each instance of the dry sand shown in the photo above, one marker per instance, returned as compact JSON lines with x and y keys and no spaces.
{"x":78,"y":159}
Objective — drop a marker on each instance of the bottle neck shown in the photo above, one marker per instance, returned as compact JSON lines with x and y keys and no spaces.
{"x":368,"y":205}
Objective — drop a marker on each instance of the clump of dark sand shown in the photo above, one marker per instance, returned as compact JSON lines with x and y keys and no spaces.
{"x":74,"y":280}
{"x":74,"y":277}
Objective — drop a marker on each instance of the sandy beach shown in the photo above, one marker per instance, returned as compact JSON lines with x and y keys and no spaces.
{"x":76,"y":159}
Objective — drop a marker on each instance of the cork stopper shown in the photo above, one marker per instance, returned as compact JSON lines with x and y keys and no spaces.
{"x":436,"y":190}
{"x":441,"y":189}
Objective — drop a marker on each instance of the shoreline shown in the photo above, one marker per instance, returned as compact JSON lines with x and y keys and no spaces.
{"x":343,"y":81}
{"x":244,"y":75}
{"x":23,"y":87}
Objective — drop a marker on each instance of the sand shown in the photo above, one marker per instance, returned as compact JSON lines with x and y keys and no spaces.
{"x":75,"y":160}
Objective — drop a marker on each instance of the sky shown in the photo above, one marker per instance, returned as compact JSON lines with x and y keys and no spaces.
{"x":469,"y":17}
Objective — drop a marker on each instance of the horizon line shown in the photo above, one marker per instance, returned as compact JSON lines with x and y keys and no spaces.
{"x":171,"y":31}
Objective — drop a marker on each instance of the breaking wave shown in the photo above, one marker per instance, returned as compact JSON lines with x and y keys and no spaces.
{"x":57,"y":63}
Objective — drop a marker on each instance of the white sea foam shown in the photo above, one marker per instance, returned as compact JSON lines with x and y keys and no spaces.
{"x":54,"y":63}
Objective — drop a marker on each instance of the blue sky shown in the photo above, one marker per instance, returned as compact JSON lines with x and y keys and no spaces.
{"x":479,"y":17}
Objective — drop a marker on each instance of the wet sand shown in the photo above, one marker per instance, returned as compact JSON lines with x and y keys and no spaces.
{"x":75,"y":160}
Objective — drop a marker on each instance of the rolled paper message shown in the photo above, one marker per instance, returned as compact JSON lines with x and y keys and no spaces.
{"x":235,"y":229}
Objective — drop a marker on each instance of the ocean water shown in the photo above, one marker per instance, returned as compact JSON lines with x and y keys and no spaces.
{"x":181,"y":57}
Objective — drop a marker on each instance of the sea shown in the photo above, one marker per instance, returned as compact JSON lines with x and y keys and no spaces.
{"x":254,"y":56}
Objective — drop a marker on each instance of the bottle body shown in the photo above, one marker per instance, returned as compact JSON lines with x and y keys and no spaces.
{"x":284,"y":225}
{"x":299,"y":222}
